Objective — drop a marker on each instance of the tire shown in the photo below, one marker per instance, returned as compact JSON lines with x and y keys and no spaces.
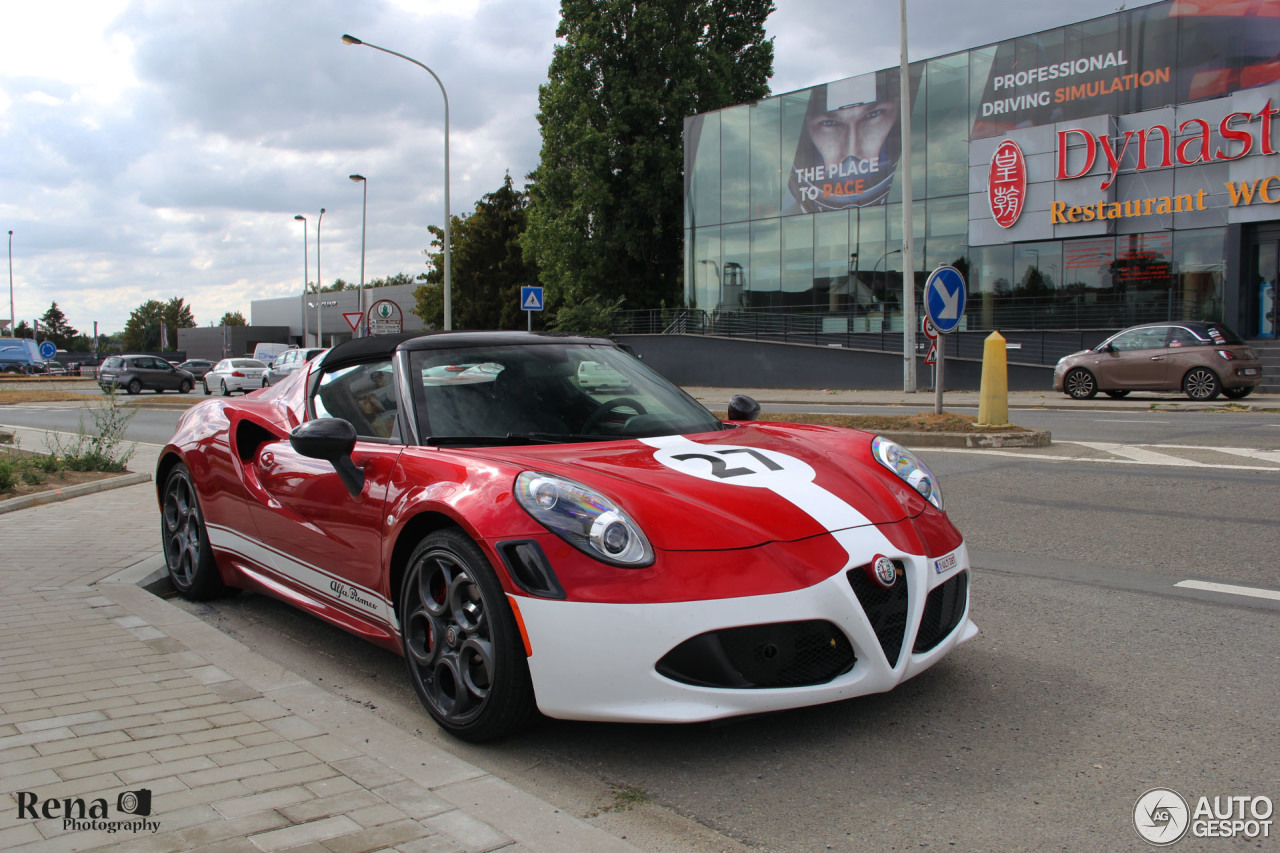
{"x":1080,"y":384}
{"x":1201,"y":384}
{"x":225,"y":391}
{"x":205,"y":382}
{"x":185,"y":541}
{"x":184,"y":387}
{"x":1237,"y":393}
{"x":464,"y":653}
{"x":134,"y":387}
{"x":1117,"y":395}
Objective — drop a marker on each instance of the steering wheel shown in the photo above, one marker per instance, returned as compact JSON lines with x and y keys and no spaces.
{"x":609,"y":406}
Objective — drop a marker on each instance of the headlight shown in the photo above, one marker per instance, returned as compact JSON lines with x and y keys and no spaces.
{"x":909,"y":467}
{"x":584,"y":518}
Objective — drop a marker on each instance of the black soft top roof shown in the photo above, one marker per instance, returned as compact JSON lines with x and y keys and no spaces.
{"x":365,"y":349}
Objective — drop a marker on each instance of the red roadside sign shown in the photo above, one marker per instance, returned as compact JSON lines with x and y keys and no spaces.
{"x":352,"y":318}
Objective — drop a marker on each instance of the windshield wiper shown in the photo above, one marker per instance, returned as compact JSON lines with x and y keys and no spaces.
{"x":560,"y":438}
{"x":451,"y":440}
{"x":510,"y":439}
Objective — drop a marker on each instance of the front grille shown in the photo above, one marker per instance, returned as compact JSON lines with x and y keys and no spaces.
{"x":886,"y":609}
{"x":781,"y":654}
{"x":942,"y":612}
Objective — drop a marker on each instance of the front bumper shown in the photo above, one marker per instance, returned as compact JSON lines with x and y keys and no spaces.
{"x":598,"y":661}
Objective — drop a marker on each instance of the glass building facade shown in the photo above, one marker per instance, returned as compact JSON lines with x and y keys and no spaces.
{"x":1142,"y":188}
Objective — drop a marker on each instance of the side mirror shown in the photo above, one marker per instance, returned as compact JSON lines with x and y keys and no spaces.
{"x":330,"y":439}
{"x":743,"y":408}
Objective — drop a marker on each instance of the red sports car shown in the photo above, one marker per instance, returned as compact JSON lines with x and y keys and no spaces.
{"x":530,"y":545}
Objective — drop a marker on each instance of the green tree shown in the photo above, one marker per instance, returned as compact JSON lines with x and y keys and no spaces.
{"x":233,"y":318}
{"x":142,"y":331}
{"x":489,"y":266}
{"x":606,"y":199}
{"x":54,"y":327}
{"x":22,"y":330}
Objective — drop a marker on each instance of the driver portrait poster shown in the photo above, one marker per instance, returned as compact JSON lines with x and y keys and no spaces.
{"x":849,"y":145}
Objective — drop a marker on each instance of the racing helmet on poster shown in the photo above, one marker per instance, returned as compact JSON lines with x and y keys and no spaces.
{"x":864,"y":106}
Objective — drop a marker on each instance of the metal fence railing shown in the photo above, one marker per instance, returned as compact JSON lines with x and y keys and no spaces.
{"x":1039,"y":330}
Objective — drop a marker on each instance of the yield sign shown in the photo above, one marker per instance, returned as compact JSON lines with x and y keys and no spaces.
{"x":944,"y":298}
{"x":352,"y":318}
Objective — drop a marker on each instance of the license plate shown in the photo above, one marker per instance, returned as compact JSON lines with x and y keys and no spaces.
{"x":1250,"y":371}
{"x":944,"y":564}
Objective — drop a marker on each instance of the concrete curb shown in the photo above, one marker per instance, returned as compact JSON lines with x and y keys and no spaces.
{"x":55,"y":495}
{"x":1025,"y":438}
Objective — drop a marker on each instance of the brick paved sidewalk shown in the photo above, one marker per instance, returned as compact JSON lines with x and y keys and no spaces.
{"x":105,"y":689}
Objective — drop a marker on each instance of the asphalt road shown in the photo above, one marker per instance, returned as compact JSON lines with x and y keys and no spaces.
{"x":1094,"y":679}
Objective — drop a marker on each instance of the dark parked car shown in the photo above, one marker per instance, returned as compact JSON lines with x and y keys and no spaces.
{"x":135,"y":373}
{"x":287,"y":363}
{"x":1200,"y":359}
{"x":197,"y":367}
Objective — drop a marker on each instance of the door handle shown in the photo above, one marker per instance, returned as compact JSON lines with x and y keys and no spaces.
{"x":1157,"y":358}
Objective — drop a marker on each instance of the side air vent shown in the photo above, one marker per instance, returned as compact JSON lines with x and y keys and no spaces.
{"x":780,"y":654}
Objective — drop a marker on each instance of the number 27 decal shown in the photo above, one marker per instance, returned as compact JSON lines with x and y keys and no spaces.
{"x":720,"y":468}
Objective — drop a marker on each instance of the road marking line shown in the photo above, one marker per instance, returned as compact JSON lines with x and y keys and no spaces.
{"x":1230,"y":589}
{"x":1264,"y":455}
{"x":1105,"y":460}
{"x":1139,"y":454}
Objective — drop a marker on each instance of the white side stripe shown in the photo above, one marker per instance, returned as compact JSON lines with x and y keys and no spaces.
{"x":316,"y":580}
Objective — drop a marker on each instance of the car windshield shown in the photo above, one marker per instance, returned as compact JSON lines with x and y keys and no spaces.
{"x":546,"y":393}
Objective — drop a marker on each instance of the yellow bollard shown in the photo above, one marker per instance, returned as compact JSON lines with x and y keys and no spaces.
{"x":993,"y":399}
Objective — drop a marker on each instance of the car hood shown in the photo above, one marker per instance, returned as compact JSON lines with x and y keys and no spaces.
{"x":737,"y":488}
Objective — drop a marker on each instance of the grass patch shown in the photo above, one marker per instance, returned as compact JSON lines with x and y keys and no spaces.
{"x":625,"y":798}
{"x":919,"y":422}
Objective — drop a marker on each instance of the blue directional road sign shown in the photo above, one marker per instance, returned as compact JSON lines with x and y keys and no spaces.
{"x":48,"y":349}
{"x":944,"y":298}
{"x":530,"y":298}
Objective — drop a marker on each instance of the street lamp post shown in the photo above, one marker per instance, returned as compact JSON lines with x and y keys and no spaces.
{"x":306,"y":275}
{"x":319,"y":325}
{"x":448,"y":275}
{"x":319,"y":278}
{"x":364,"y":210}
{"x":12,"y":319}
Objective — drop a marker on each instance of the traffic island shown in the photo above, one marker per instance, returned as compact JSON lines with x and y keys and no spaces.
{"x":926,"y":429}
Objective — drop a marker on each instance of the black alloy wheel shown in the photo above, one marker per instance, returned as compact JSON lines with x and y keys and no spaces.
{"x":1201,"y":384}
{"x":1080,"y":384}
{"x":464,"y":651}
{"x":134,"y":387}
{"x":184,"y":387}
{"x":186,"y":542}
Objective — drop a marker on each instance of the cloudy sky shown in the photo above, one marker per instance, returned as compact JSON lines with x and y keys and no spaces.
{"x":159,"y":148}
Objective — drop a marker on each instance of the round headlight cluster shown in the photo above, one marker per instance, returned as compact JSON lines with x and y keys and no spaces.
{"x":909,"y":467}
{"x":584,"y":518}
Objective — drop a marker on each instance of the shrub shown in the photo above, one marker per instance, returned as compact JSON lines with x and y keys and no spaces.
{"x":103,"y":448}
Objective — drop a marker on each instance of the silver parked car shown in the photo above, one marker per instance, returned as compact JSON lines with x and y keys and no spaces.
{"x":287,"y":363}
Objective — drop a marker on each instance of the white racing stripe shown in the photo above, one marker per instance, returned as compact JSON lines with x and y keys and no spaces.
{"x":786,"y":476}
{"x":1230,"y":589}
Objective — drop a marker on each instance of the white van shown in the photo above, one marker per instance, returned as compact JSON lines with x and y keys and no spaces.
{"x":267,"y":353}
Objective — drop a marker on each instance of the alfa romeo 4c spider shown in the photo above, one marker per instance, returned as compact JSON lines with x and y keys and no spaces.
{"x":531,"y":542}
